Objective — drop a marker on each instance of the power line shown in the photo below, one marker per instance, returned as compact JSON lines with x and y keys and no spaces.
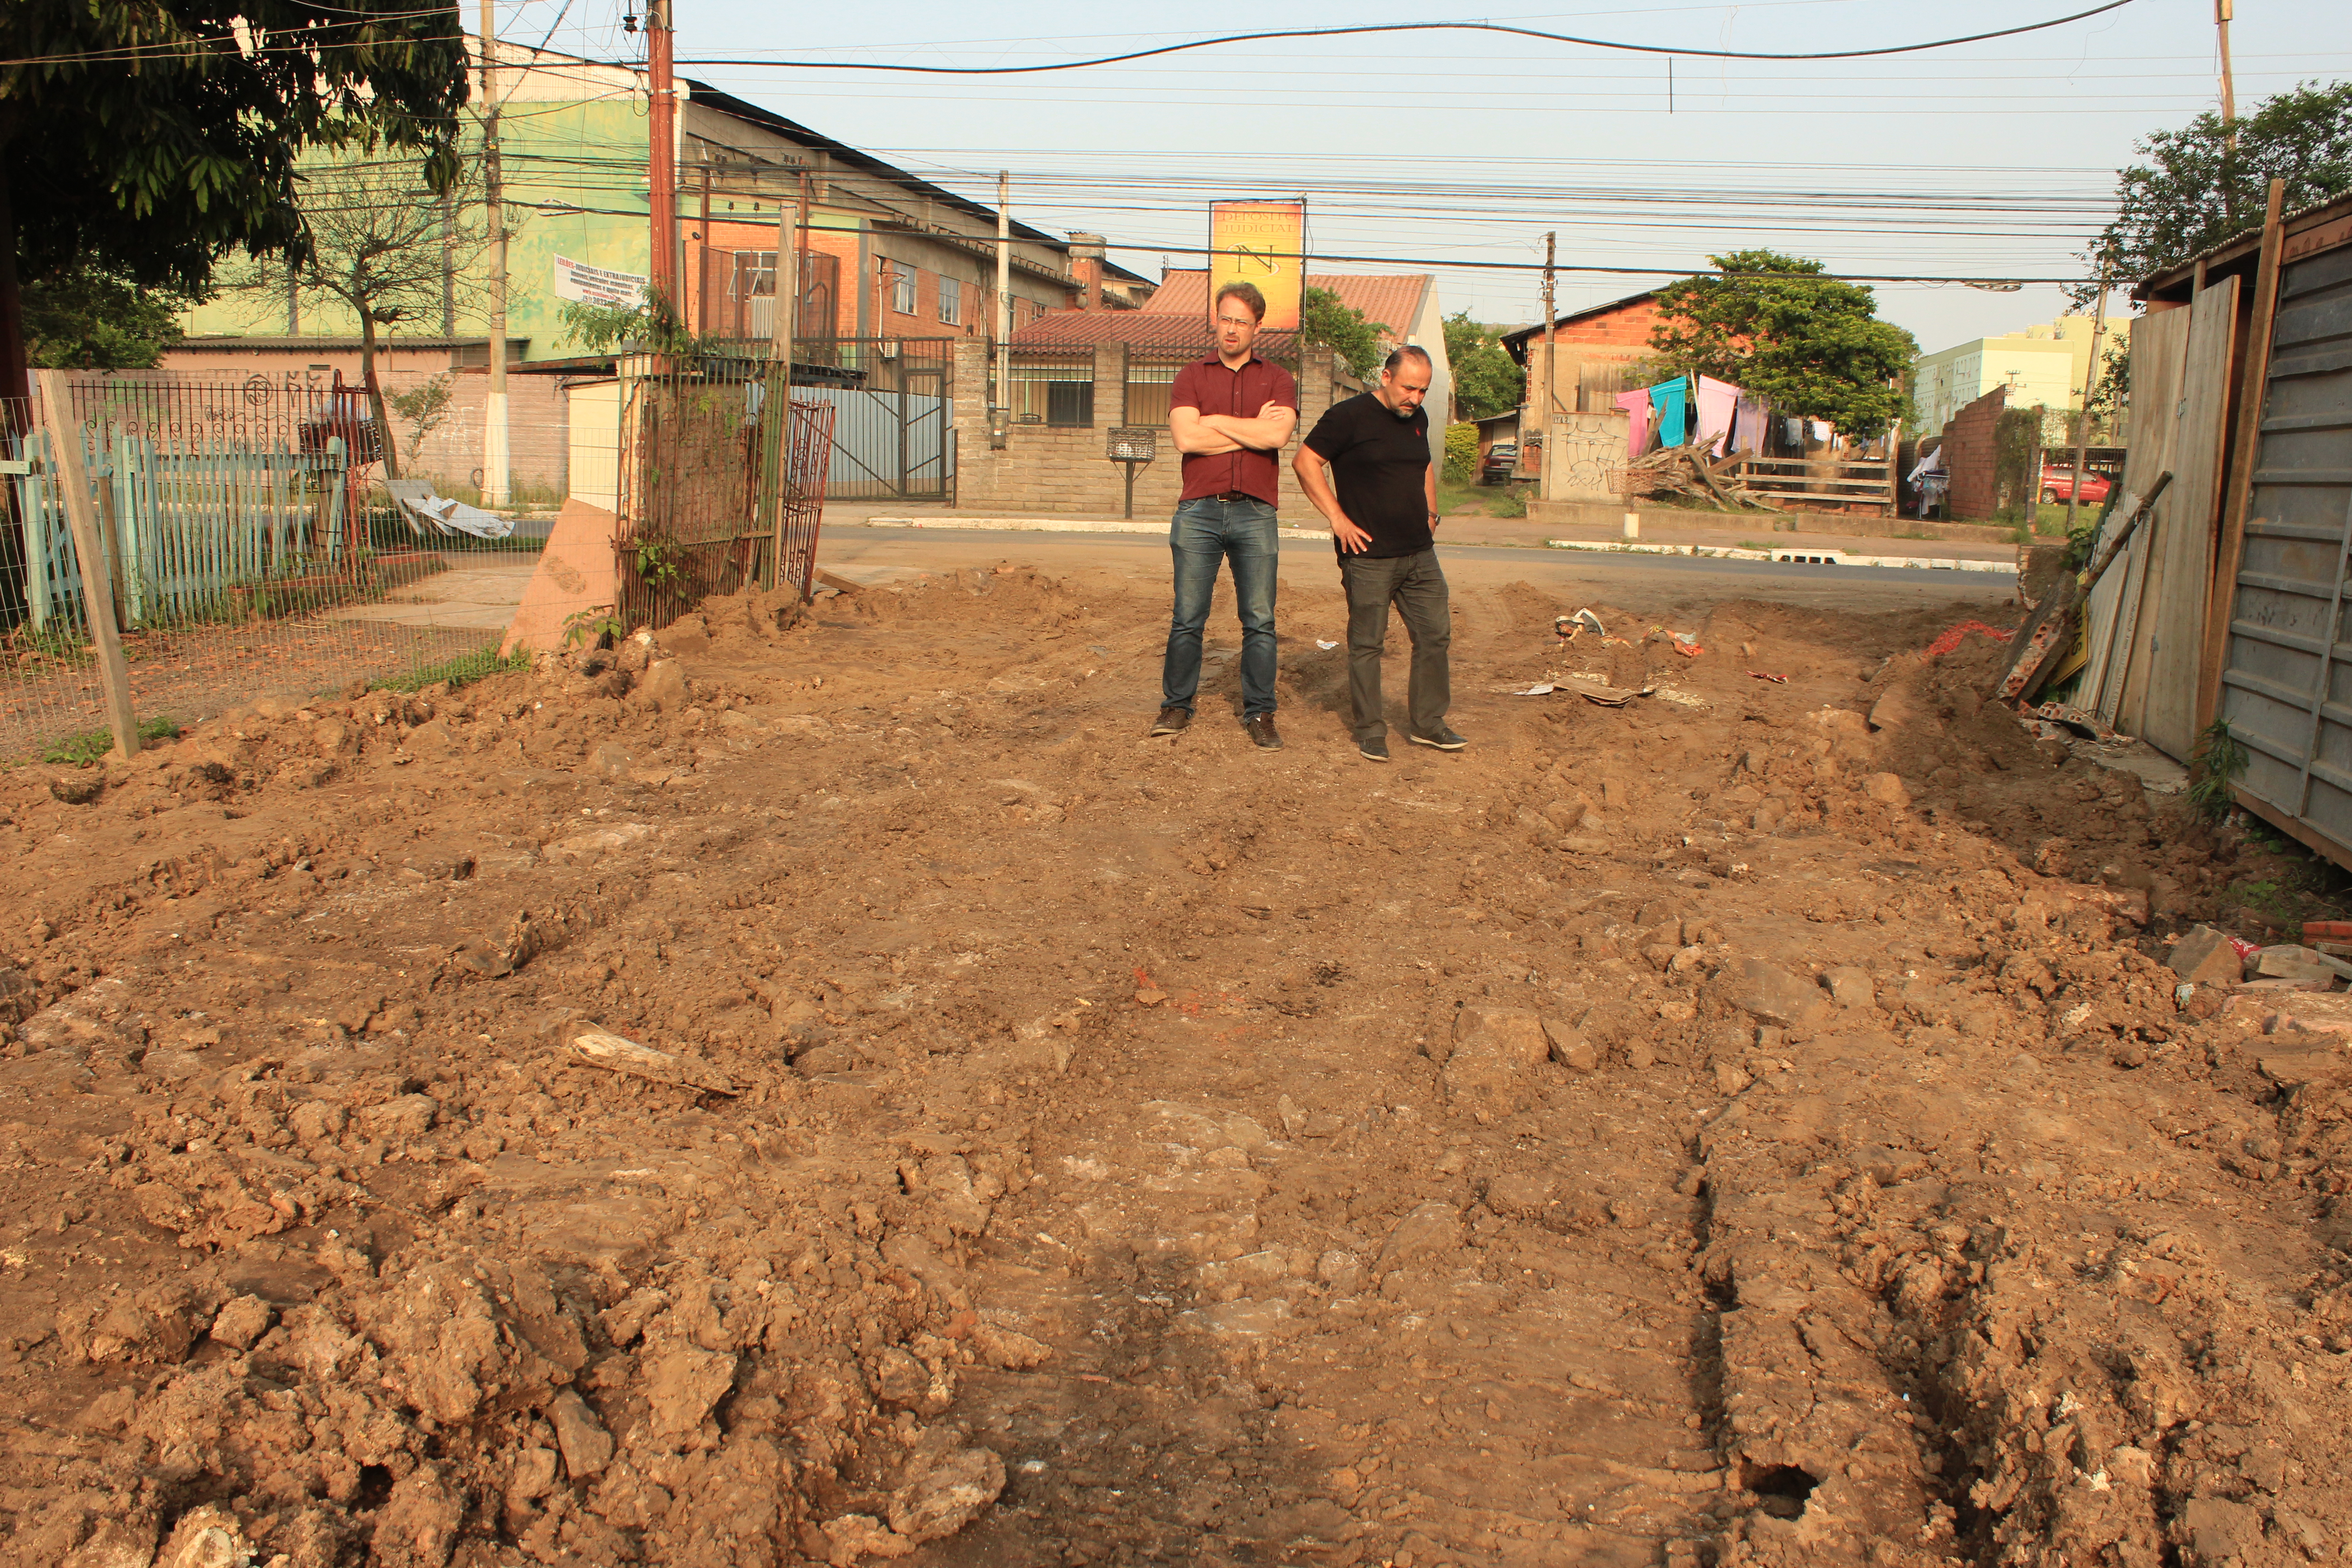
{"x":1418,"y":27}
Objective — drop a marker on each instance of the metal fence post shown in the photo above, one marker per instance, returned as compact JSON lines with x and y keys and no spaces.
{"x":97,"y":590}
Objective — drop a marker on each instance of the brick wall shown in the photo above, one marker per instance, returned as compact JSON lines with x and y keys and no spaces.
{"x":1970,"y":449}
{"x":1046,"y":470}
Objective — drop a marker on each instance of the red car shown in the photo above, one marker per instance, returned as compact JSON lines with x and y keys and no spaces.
{"x":2058,"y":484}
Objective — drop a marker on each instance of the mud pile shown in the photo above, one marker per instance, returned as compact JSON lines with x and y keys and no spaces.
{"x":1720,"y":1127}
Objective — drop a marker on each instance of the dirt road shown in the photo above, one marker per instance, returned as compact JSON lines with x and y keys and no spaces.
{"x":1720,"y":1129}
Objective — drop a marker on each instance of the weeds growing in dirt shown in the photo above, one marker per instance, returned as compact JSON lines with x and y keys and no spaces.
{"x":93,"y":745}
{"x":462,"y":670}
{"x":2214,"y":764}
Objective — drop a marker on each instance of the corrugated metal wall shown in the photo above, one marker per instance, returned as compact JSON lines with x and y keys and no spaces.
{"x":2286,"y":685}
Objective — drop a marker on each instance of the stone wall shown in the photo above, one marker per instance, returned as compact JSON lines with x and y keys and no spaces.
{"x":1046,"y":470}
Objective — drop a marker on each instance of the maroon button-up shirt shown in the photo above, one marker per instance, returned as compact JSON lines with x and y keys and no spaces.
{"x":1206,"y":385}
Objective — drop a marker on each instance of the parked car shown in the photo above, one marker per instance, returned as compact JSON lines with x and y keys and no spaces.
{"x":2058,"y":484}
{"x":1502,"y":463}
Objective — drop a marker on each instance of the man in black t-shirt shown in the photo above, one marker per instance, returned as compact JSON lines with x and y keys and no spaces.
{"x":1366,"y":467}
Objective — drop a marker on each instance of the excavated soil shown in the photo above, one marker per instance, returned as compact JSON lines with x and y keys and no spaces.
{"x":1752,"y":1125}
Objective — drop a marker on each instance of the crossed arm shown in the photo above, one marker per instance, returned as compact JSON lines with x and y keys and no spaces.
{"x":1206,"y":435}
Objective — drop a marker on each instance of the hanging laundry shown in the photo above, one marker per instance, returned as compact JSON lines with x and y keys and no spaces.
{"x":1819,"y":429}
{"x":1636,"y":405}
{"x":1792,"y":433}
{"x":1747,"y":425}
{"x":1669,"y":398}
{"x":1716,"y":399}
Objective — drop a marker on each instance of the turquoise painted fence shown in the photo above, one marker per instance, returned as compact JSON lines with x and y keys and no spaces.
{"x":183,"y":530}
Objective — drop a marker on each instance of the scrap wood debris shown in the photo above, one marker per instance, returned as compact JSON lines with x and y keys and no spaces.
{"x":1686,"y":470}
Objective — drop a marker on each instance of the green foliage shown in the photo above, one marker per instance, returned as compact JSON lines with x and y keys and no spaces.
{"x":1485,"y":381}
{"x":1508,"y":501}
{"x":591,"y":625}
{"x":423,"y":407}
{"x":1326,"y":322}
{"x":2214,"y":764}
{"x":654,"y":326}
{"x":154,"y":170}
{"x":462,"y":670}
{"x":86,"y":318}
{"x":97,"y":745}
{"x":1461,"y":453}
{"x":1812,"y":346}
{"x":657,"y":560}
{"x":2193,"y":191}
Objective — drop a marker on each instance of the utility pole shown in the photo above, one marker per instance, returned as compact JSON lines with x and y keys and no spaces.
{"x":2223,"y":10}
{"x":1000,"y":419}
{"x":783,"y":316}
{"x":1551,"y":358}
{"x":661,"y":151}
{"x":495,"y":463}
{"x":2089,"y":380}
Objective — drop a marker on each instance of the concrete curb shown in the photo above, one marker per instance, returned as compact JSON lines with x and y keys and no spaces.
{"x":1792,"y":555}
{"x":1053,"y":525}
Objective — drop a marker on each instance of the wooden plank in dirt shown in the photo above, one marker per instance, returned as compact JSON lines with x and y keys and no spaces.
{"x":2159,"y":695}
{"x":2159,"y":343}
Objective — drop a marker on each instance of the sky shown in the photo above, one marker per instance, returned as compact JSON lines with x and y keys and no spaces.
{"x":1433,"y":152}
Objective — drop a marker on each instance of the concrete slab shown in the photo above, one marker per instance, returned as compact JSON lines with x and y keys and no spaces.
{"x":574,"y":573}
{"x":478,"y":594}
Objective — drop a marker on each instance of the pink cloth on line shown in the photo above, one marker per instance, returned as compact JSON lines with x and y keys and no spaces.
{"x":1716,"y":401}
{"x":1636,"y":405}
{"x":1749,"y":423}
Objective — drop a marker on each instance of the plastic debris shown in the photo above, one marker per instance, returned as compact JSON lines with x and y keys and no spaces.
{"x":1568,"y":627}
{"x":1775,"y":679}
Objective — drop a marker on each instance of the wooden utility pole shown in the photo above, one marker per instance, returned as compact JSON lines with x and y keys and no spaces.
{"x":497,"y":465}
{"x":2082,"y":428}
{"x":70,"y":476}
{"x":1000,"y":405}
{"x":2222,"y":13}
{"x":1541,"y":436}
{"x":782,"y":323}
{"x":661,"y":151}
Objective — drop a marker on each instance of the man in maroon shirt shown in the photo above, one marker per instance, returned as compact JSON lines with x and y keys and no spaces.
{"x":1230,"y":414}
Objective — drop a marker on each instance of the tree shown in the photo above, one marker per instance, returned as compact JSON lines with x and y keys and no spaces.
{"x":151,"y":138}
{"x":2194,"y":191}
{"x":1812,"y":346}
{"x":384,"y":247}
{"x":1324,"y":321}
{"x":88,"y":319}
{"x":1484,"y":379}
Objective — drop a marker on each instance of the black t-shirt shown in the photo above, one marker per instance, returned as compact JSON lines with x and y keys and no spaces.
{"x":1380,"y":466}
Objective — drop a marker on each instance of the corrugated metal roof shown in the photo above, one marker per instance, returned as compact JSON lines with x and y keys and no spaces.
{"x":2182,"y":269}
{"x":1392,"y":299}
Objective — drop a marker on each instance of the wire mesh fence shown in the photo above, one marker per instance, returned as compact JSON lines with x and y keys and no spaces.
{"x":245,"y":543}
{"x":242,"y":552}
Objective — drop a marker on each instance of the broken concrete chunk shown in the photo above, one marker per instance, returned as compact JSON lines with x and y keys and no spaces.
{"x":595,"y":1048}
{"x":2204,"y":956}
{"x":662,"y":687}
{"x":947,"y":1495}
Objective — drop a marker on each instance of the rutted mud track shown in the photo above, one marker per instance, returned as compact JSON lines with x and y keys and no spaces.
{"x":1712,"y":1130}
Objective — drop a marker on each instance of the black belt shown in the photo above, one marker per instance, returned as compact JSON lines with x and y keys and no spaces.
{"x":1233,"y":495}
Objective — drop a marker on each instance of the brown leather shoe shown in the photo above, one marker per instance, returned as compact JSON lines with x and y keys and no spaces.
{"x":1262,"y":730}
{"x":1171,"y":721}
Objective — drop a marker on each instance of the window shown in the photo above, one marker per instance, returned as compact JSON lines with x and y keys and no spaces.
{"x":897,"y":285}
{"x":950,"y":302}
{"x":1054,"y":391}
{"x":1148,"y":384}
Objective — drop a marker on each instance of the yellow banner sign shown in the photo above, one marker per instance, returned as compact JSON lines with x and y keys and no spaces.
{"x":1261,"y":244}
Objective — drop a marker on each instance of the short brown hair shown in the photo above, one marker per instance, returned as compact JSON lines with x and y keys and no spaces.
{"x":1246,"y":293}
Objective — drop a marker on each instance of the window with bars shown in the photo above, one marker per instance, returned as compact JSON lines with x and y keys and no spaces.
{"x":1148,"y":384}
{"x":1058,"y":392}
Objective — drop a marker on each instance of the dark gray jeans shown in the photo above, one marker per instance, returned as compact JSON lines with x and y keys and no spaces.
{"x":1417,"y":587}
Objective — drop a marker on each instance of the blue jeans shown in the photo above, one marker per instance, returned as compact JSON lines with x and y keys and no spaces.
{"x":1204,"y":533}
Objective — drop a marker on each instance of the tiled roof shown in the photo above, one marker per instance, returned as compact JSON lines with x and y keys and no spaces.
{"x":1389,"y":298}
{"x":1159,"y":332}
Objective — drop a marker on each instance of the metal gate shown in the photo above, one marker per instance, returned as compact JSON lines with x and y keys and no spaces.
{"x":894,"y":415}
{"x":2286,"y":687}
